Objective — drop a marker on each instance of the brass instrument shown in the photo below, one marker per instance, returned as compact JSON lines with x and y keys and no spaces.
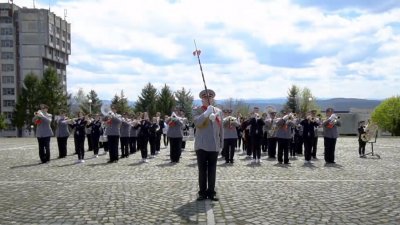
{"x":371,"y":130}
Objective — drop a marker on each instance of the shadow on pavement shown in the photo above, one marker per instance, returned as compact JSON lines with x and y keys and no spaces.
{"x":26,"y":165}
{"x":189,"y":211}
{"x":168,"y":164}
{"x":333,"y":165}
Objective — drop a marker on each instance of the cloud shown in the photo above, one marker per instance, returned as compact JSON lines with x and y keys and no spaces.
{"x":250,"y":49}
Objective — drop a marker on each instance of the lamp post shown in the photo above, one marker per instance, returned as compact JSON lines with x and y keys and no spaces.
{"x":90,"y":106}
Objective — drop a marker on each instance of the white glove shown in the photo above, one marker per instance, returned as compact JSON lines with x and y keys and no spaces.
{"x":210,"y":109}
{"x":212,"y":117}
{"x":286,"y":117}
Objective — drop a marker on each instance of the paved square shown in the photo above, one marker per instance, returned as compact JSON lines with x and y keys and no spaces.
{"x":354,"y":191}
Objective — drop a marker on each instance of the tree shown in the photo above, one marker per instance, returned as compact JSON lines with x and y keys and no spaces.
{"x":78,"y":102}
{"x":121,"y":103}
{"x":87,"y":107}
{"x":307,"y":102}
{"x":52,"y":93}
{"x":27,"y":103}
{"x":3,"y":124}
{"x":292,"y":103}
{"x":165,"y":101}
{"x":184,"y":100}
{"x":237,"y":105}
{"x":387,"y":115}
{"x":147,"y":101}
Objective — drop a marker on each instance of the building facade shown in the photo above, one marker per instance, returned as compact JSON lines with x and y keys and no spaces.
{"x":31,"y":41}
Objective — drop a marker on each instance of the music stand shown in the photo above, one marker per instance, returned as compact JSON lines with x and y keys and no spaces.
{"x":372,"y":147}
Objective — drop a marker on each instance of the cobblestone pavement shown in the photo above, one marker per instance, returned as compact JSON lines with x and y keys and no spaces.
{"x":354,"y":191}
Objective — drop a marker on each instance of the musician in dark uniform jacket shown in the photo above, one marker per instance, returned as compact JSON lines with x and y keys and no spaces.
{"x":256,"y":134}
{"x":161,"y":126}
{"x":95,"y":126}
{"x":79,"y":124}
{"x":143,"y":135}
{"x":361,"y":143}
{"x":208,"y":142}
{"x":308,"y":125}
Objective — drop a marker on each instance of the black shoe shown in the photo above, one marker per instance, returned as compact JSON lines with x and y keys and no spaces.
{"x":232,"y":161}
{"x":287,"y":163}
{"x":213,"y":198}
{"x":201,"y":198}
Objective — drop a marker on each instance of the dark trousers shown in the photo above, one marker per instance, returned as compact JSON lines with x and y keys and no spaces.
{"x":256,"y":146}
{"x":175,"y":149}
{"x":283,"y":150}
{"x":166,"y":139}
{"x":89,"y":141}
{"x":299,"y":145}
{"x":95,"y":144}
{"x":62,"y":146}
{"x":329,"y":154}
{"x":113,"y":142}
{"x":249,"y":147}
{"x":124,"y":146}
{"x":44,"y":149}
{"x":361,"y":147}
{"x":105,"y":146}
{"x":142,"y":145}
{"x":158,"y":142}
{"x":79,"y":142}
{"x":152,"y":141}
{"x":183,"y":144}
{"x":292,"y":146}
{"x":239,"y":142}
{"x":307,"y":147}
{"x":314,"y":147}
{"x":207,"y":164}
{"x":272,"y":147}
{"x":132,"y":144}
{"x":264,"y":144}
{"x":229,"y":149}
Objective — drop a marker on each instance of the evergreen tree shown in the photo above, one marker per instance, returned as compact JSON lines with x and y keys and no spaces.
{"x":184,"y":100}
{"x":27,"y":103}
{"x":166,"y":101}
{"x":52,"y":93}
{"x":307,"y":102}
{"x":121,"y":103}
{"x":94,"y":106}
{"x":147,"y":102}
{"x":292,"y":103}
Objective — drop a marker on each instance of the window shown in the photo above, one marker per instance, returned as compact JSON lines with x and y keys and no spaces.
{"x":8,"y":103}
{"x":7,"y":67}
{"x":57,"y":41}
{"x":8,"y":91}
{"x":63,"y":44}
{"x":7,"y":43}
{"x":7,"y":55}
{"x":58,"y":30}
{"x":64,"y":33}
{"x":8,"y":115}
{"x":5,"y":19}
{"x":6,"y":31}
{"x":51,"y":38}
{"x":7,"y":79}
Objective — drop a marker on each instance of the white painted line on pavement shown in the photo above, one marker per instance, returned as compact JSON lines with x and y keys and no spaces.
{"x":210,"y":213}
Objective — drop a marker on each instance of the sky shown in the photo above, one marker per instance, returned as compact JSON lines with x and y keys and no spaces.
{"x":249,"y":48}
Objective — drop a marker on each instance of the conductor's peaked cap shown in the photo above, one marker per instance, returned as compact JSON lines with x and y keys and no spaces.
{"x":203,"y":93}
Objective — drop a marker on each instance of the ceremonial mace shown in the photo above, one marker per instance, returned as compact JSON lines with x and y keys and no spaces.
{"x":197,"y":53}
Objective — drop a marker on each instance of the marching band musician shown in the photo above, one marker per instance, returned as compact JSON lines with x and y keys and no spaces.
{"x":330,"y":131}
{"x":88,"y":131}
{"x":124,"y":136}
{"x":133,"y":134}
{"x":185,"y":128}
{"x":175,"y":135}
{"x":308,"y":125}
{"x":264,"y":142}
{"x":95,"y":126}
{"x":230,"y":124}
{"x":361,"y":143}
{"x":161,"y":126}
{"x":62,"y":134}
{"x":143,"y":135}
{"x":317,"y":119}
{"x":113,"y":125}
{"x":208,"y":142}
{"x":165,"y":131}
{"x":42,"y":120}
{"x":153,"y":136}
{"x":283,"y":135}
{"x":239,"y":131}
{"x":79,"y":124}
{"x":271,"y":129}
{"x":256,"y":134}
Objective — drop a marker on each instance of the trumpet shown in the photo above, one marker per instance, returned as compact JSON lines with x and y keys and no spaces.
{"x":38,"y":113}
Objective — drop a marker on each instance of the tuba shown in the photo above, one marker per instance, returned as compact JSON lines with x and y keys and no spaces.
{"x":105,"y":109}
{"x":371,"y":129}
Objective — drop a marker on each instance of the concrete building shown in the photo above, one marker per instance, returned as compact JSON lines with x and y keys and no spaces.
{"x":31,"y":41}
